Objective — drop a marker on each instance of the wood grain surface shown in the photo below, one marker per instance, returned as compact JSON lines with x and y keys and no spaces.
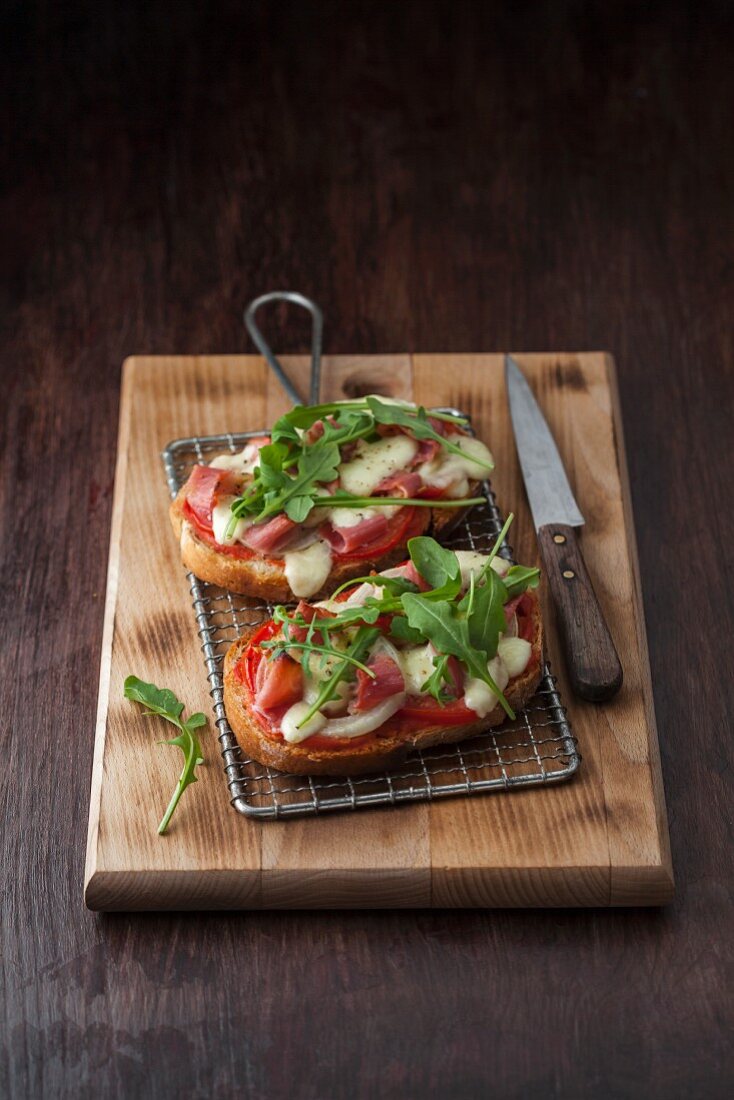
{"x":454,"y":175}
{"x":545,"y":847}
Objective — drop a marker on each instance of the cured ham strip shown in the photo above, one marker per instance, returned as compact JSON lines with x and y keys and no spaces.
{"x":510,"y":608}
{"x":205,"y":484}
{"x":411,"y":574}
{"x":388,"y":681}
{"x":402,"y":484}
{"x":346,"y":539}
{"x":272,"y":536}
{"x":427,"y":451}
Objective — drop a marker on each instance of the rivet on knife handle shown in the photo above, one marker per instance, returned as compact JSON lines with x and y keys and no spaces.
{"x":591,"y":660}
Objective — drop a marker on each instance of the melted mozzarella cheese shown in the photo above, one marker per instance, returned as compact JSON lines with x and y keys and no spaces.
{"x":350,"y":517}
{"x":479,"y":696}
{"x":306,"y":570}
{"x":296,"y":714}
{"x":221,"y":515}
{"x":515,"y":654}
{"x":242,"y":463}
{"x":376,"y":461}
{"x":452,"y":472}
{"x":416,"y":665}
{"x":470,"y":561}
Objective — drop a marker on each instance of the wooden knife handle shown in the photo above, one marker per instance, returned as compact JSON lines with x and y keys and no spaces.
{"x":591,"y":660}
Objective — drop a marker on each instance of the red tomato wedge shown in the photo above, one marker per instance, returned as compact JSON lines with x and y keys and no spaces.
{"x":423,"y":710}
{"x":206,"y":535}
{"x":279,"y":683}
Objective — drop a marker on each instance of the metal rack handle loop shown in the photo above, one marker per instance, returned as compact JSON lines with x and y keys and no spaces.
{"x":317,"y":330}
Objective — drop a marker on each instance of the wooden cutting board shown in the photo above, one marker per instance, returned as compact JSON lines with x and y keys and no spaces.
{"x":599,"y":839}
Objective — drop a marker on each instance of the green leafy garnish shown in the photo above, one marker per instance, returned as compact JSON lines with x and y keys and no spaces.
{"x":358,"y":648}
{"x":434,"y":685}
{"x":443,"y":625}
{"x":292,"y":472}
{"x":345,"y":500}
{"x":312,"y":647}
{"x":416,"y":422}
{"x":458,"y":622}
{"x":402,"y":631}
{"x":519,"y":578}
{"x":439,"y":567}
{"x":163,"y":702}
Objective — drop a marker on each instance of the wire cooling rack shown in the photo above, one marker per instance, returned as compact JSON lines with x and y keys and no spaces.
{"x":538,"y":748}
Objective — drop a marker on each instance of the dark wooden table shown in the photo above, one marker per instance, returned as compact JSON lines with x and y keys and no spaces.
{"x":440,"y":177}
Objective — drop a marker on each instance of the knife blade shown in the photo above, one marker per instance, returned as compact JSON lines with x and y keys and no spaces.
{"x":592,"y":661}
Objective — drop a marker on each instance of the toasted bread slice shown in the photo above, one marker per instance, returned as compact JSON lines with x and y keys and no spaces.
{"x":264,"y":577}
{"x":389,"y":748}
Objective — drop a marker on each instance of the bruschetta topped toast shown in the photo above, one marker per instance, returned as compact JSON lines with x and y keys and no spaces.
{"x":433,"y":651}
{"x":332,"y":492}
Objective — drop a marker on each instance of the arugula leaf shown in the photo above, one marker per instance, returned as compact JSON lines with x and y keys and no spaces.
{"x":519,"y":578}
{"x":342,"y":499}
{"x":303,"y":416}
{"x":158,"y":700}
{"x":348,"y":427}
{"x":360,"y":646}
{"x":394,"y":585}
{"x":439,"y":567}
{"x":449,"y":634}
{"x":402,"y":631}
{"x":416,"y":422}
{"x":434,"y":685}
{"x":275,"y":489}
{"x":484,"y":606}
{"x":163,"y":702}
{"x":279,"y":646}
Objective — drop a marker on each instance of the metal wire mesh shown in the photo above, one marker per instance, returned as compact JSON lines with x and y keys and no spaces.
{"x":537,"y":748}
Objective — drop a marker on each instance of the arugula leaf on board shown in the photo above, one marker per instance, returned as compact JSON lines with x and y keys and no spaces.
{"x":416,"y":422}
{"x":163,"y":702}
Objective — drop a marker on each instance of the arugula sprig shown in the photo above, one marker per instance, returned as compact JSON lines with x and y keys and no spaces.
{"x":359,"y":647}
{"x":416,"y":421}
{"x":292,"y":472}
{"x":163,"y":702}
{"x":304,"y":416}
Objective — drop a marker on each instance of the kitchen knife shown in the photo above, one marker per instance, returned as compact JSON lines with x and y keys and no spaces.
{"x":591,"y":659}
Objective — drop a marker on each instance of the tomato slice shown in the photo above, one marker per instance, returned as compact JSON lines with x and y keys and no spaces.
{"x":423,"y":710}
{"x":244,"y":553}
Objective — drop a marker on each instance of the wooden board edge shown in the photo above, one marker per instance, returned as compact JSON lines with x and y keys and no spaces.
{"x":108,"y":628}
{"x":521,"y":888}
{"x":659,"y":880}
{"x":168,"y":891}
{"x":364,"y":888}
